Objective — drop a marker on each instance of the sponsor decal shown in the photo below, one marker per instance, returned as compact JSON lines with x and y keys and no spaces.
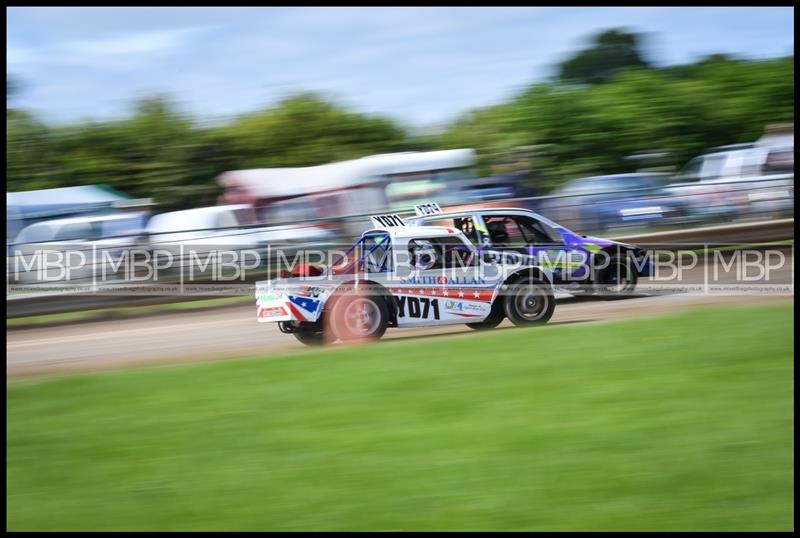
{"x":457,"y":306}
{"x":271,"y":312}
{"x":309,"y":292}
{"x":455,"y":281}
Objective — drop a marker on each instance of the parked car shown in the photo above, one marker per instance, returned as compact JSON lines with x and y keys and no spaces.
{"x":226,"y":225}
{"x":737,"y":181}
{"x":603,"y":203}
{"x":232,"y":228}
{"x":88,"y":247}
{"x":491,"y":189}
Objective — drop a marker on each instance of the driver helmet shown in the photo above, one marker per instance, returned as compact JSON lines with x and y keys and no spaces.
{"x":423,"y":255}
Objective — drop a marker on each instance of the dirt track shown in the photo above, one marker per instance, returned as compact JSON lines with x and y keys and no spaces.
{"x":234,"y":332}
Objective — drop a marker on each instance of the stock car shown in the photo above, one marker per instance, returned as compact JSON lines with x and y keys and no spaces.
{"x":580,"y":264}
{"x":395,"y":275}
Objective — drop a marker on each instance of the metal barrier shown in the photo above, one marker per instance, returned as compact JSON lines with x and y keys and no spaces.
{"x":726,"y":211}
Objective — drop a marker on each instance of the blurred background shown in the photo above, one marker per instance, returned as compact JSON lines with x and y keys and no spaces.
{"x":262,"y":128}
{"x":145,"y":127}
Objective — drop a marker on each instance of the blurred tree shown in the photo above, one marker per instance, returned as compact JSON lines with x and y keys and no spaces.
{"x":160,"y":152}
{"x":577,"y":129}
{"x":610,"y":52}
{"x":306,"y":130}
{"x":591,"y":129}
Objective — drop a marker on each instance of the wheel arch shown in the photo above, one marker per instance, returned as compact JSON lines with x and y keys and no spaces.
{"x":535,"y":271}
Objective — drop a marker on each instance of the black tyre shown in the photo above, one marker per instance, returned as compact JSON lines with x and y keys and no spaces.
{"x":310,"y":337}
{"x":618,"y":280}
{"x":357,"y":316}
{"x":494,"y":318}
{"x":529,"y":301}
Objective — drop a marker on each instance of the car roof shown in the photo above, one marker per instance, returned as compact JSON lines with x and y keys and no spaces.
{"x":620,"y":176}
{"x":87,"y":218}
{"x":409,"y":232}
{"x":482,"y":211}
{"x":489,"y":211}
{"x":209,"y":210}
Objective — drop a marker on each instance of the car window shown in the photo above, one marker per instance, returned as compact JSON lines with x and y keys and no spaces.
{"x":503,"y":232}
{"x":513,"y":231}
{"x":541,"y":232}
{"x":440,"y":253}
{"x":226,"y":219}
{"x":580,"y":186}
{"x":376,"y":253}
{"x":712,"y":166}
{"x":37,"y":233}
{"x":780,"y":160}
{"x":245,"y":216}
{"x":121,"y":227}
{"x":691,"y":172}
{"x":465,"y":224}
{"x":74,"y":232}
{"x":633,"y":182}
{"x":605,"y":184}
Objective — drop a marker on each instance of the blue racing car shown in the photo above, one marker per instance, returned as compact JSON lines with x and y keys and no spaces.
{"x":580,"y":264}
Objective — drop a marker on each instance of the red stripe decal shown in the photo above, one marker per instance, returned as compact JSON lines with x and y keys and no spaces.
{"x":296,"y":312}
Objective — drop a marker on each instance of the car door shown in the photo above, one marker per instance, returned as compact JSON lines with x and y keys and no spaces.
{"x":529,"y":236}
{"x":447,"y":288}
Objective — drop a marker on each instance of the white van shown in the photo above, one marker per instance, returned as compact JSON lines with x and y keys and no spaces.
{"x":754,"y":181}
{"x":226,"y":225}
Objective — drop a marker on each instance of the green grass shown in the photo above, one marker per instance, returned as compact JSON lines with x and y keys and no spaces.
{"x":683,"y":422}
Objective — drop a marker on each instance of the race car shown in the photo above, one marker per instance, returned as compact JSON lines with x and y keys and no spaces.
{"x":400,"y":276}
{"x":580,"y":264}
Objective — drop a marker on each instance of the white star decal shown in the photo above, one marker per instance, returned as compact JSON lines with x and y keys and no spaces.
{"x":303,"y":304}
{"x":460,"y":293}
{"x":476,"y":294}
{"x":445,"y":293}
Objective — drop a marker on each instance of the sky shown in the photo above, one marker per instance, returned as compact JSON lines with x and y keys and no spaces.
{"x":420,"y":66}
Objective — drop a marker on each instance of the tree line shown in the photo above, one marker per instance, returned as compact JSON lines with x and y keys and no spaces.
{"x":605,"y":103}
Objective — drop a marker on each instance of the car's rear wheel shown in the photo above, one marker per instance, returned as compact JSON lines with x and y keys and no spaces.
{"x":358,"y":316}
{"x":529,"y":301}
{"x":310,"y":337}
{"x":618,"y":280}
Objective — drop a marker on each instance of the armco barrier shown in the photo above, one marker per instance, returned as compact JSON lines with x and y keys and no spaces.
{"x":728,"y":234}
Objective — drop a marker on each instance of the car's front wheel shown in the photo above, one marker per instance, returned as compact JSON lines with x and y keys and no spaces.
{"x":529,"y":301}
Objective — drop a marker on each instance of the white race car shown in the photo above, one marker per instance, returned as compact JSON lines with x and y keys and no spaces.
{"x":401,"y":276}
